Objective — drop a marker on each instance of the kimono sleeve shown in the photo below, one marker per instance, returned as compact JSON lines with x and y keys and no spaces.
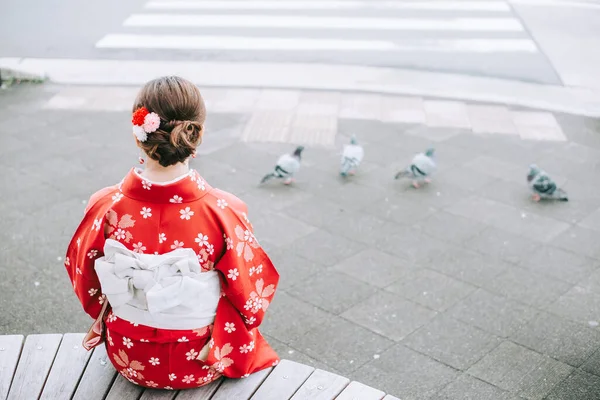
{"x":249,"y":277}
{"x":86,"y":246}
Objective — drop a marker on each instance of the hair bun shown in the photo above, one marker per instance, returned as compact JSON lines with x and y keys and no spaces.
{"x":186,"y":134}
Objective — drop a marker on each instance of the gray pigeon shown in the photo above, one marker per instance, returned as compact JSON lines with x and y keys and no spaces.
{"x":420,"y":169}
{"x":543,"y":186}
{"x":286,"y":167}
{"x":351,"y":157}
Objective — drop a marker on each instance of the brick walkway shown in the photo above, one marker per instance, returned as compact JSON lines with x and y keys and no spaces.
{"x":462,"y":290}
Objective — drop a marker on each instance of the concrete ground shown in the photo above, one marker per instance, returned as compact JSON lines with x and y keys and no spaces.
{"x":462,"y":290}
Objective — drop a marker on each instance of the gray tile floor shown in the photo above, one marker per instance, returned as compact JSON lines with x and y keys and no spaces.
{"x":464,"y":289}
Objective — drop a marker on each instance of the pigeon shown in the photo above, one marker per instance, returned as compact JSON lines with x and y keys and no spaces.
{"x":351,"y":157}
{"x":543,"y":186}
{"x":286,"y":167}
{"x":420,"y":169}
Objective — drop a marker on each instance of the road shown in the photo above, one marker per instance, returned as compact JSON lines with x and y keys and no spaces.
{"x":481,"y":38}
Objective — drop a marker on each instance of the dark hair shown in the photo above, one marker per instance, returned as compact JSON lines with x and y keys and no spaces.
{"x":182,"y":113}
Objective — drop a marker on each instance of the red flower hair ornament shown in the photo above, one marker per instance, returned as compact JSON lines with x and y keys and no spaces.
{"x":144,"y":122}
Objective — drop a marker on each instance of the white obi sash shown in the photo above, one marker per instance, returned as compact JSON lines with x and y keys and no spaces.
{"x":167,"y":291}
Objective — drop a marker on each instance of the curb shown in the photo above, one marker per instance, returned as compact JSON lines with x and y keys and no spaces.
{"x":343,"y":78}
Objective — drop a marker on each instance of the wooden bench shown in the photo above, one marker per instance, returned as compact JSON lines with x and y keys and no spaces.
{"x":57,"y":367}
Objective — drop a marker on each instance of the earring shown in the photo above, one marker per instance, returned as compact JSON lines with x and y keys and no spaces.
{"x":193,"y":155}
{"x":141,"y":159}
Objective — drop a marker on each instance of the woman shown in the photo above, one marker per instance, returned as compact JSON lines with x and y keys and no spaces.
{"x":186,"y":281}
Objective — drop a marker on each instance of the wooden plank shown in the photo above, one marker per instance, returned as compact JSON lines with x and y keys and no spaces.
{"x":202,"y":393}
{"x":359,"y":391}
{"x":10,"y":349}
{"x":67,"y":368}
{"x":283,"y":382}
{"x":156,"y":394}
{"x":241,"y":389}
{"x":97,"y":378}
{"x":122,"y":389}
{"x":36,"y":359}
{"x":321,"y":385}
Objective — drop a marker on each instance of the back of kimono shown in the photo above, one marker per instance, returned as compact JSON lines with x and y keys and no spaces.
{"x":186,"y":281}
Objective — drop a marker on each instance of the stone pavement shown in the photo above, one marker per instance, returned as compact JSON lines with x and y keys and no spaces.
{"x":462,"y":290}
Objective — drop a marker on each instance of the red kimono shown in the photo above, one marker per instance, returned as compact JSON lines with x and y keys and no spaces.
{"x":145,"y":219}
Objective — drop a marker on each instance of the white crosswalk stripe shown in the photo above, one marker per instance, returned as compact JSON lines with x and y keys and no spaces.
{"x":473,"y":36}
{"x":312,"y":22}
{"x":329,"y":5}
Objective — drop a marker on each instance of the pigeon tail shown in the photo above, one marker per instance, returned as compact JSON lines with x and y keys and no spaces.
{"x":561,"y":195}
{"x":401,"y":174}
{"x":267,"y":177}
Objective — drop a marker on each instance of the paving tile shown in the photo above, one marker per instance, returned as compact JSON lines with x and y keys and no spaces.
{"x":325,"y":248}
{"x":316,"y":130}
{"x":592,"y":364}
{"x":452,"y":342}
{"x":560,"y":264}
{"x":285,"y":326}
{"x":578,"y":304}
{"x":592,"y":221}
{"x":580,"y":241}
{"x":451,"y":228}
{"x":578,"y":386}
{"x":402,"y":211}
{"x":431,"y":289}
{"x":535,"y":125}
{"x":360,"y":106}
{"x":281,"y":229}
{"x":519,"y":195}
{"x":341,"y":344}
{"x":527,"y":287}
{"x":406,"y":374}
{"x":446,"y":114}
{"x":348,"y":194}
{"x":371,"y":132}
{"x":412,"y":245}
{"x":402,"y":109}
{"x":289,"y":353}
{"x":591,"y":282}
{"x":374,"y":267}
{"x":497,"y":243}
{"x":521,"y":371}
{"x":268,"y":126}
{"x":333,"y":291}
{"x":465,"y":178}
{"x":434,"y":134}
{"x":439,"y":194}
{"x":570,"y":342}
{"x":293,"y":269}
{"x":266,"y":199}
{"x":314,"y":211}
{"x":498,"y":169}
{"x":467,"y":387}
{"x":357,"y":226}
{"x":389,"y":315}
{"x":468,"y":266}
{"x":509,"y":218}
{"x":492,"y":313}
{"x":491,"y":119}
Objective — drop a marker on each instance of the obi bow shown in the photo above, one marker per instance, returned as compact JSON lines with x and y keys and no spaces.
{"x":171,"y":283}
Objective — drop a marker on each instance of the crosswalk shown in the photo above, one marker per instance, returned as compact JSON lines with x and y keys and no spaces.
{"x":482,"y":37}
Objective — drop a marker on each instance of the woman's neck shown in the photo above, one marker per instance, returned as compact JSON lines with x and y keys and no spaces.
{"x":157,"y":173}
